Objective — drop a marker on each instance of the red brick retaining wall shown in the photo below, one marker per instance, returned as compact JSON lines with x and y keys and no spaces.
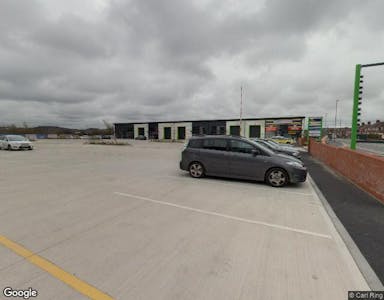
{"x":365,"y":170}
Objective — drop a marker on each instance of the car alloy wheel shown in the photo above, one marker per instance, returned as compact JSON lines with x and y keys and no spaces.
{"x":196,"y":170}
{"x":277,"y":178}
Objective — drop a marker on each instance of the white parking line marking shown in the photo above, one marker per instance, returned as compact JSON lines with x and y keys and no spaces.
{"x":226,"y":216}
{"x":281,"y":190}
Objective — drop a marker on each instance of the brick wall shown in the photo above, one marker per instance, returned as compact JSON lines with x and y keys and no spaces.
{"x":366,"y":170}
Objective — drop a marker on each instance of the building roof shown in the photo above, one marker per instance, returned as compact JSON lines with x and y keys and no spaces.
{"x":372,"y":125}
{"x":215,"y":120}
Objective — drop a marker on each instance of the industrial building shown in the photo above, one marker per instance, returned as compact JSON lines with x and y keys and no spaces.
{"x":182,"y":130}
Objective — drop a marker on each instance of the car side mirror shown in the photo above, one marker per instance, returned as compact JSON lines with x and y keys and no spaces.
{"x":255,"y":152}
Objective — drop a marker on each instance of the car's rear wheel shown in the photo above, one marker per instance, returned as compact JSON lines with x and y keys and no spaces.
{"x":277,"y":177}
{"x":196,"y":170}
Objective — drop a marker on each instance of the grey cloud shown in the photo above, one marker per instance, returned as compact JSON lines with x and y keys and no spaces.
{"x":73,"y":35}
{"x":18,"y":16}
{"x":293,"y":17}
{"x":143,"y":60}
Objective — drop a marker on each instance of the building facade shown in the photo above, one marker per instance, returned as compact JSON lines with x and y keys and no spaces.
{"x":182,"y":130}
{"x":372,"y":129}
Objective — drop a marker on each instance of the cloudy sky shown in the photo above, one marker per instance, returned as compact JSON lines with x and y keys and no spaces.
{"x":74,"y":63}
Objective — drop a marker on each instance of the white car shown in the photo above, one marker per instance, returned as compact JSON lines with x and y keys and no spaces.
{"x":15,"y":142}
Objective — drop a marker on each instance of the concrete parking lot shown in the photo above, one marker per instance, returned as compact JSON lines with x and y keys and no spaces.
{"x":124,"y":222}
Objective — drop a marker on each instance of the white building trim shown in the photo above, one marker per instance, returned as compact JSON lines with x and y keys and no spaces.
{"x":174,"y":130}
{"x":161,"y":130}
{"x":136,"y":129}
{"x":248,"y":123}
{"x":188,"y":129}
{"x":245,"y":127}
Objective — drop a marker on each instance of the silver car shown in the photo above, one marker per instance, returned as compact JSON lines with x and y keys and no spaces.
{"x":15,"y":142}
{"x":237,"y":157}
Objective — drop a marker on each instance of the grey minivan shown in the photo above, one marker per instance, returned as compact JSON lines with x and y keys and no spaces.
{"x":237,"y":157}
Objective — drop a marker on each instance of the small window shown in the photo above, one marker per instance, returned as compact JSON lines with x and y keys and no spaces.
{"x":254,"y":131}
{"x":234,"y":130}
{"x":215,"y":144}
{"x":141,"y":130}
{"x":180,"y":133}
{"x":241,"y":147}
{"x":195,"y":130}
{"x":167,"y":133}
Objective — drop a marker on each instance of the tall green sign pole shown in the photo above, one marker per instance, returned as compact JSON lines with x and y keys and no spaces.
{"x":355,"y":107}
{"x":356,"y":100}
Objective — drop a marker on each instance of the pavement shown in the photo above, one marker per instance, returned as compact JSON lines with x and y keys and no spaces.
{"x":123,"y":222}
{"x":361,"y":214}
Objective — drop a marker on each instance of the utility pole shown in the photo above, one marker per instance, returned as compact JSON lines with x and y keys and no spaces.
{"x":334,"y":134}
{"x":241,"y":109}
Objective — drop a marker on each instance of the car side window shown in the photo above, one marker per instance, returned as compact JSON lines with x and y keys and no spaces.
{"x":241,"y":147}
{"x":195,"y":143}
{"x":215,"y":144}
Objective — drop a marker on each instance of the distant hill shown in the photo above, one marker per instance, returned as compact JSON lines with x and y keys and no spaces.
{"x":52,"y":130}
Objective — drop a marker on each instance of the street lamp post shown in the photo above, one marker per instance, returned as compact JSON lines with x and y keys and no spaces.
{"x":334,"y":132}
{"x":241,"y":110}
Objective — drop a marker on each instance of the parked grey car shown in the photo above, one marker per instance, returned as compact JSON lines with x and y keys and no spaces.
{"x":237,"y":157}
{"x":141,"y":137}
{"x":276,"y":147}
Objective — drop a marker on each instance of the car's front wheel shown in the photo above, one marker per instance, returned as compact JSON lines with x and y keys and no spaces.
{"x":277,"y":177}
{"x":9,"y":147}
{"x":196,"y":170}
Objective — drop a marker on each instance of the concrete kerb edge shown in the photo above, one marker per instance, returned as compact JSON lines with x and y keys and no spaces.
{"x":366,"y":270}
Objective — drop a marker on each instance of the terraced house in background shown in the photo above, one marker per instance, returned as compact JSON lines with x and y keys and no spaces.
{"x":181,"y":130}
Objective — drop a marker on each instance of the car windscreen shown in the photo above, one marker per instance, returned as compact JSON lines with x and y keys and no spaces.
{"x":16,"y":138}
{"x":271,"y":146}
{"x":273,"y":142}
{"x":263,"y":148}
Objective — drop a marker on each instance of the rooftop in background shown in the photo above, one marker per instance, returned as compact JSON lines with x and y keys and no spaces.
{"x":369,"y":124}
{"x":216,"y":120}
